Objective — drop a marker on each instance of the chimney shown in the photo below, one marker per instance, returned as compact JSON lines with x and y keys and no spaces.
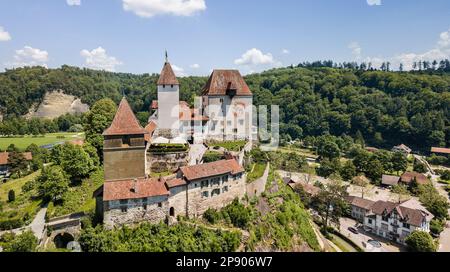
{"x":134,"y":189}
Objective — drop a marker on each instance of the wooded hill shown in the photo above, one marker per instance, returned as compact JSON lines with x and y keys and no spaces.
{"x":384,"y":107}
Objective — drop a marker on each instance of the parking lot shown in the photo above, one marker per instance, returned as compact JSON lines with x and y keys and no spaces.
{"x":363,"y":237}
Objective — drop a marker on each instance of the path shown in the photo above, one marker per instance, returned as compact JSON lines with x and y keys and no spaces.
{"x":37,"y":226}
{"x":257,"y":187}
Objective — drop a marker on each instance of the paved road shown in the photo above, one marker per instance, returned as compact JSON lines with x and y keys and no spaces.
{"x":362,"y":238}
{"x":37,"y":225}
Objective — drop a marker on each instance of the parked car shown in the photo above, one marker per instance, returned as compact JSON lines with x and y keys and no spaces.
{"x":374,"y":243}
{"x":355,"y":231}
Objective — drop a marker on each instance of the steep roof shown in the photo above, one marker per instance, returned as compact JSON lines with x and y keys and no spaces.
{"x":222,"y":81}
{"x":167,"y":76}
{"x":411,"y":216}
{"x":408,"y":177}
{"x":389,"y":180}
{"x":133,"y":189}
{"x":211,"y":169}
{"x":125,"y":122}
{"x":5,"y":155}
{"x":360,"y":202}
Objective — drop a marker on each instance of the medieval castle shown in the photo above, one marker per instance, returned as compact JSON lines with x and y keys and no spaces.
{"x":132,"y":153}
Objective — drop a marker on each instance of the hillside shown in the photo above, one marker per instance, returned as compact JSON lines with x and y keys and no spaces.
{"x":57,"y":103}
{"x":382,"y":108}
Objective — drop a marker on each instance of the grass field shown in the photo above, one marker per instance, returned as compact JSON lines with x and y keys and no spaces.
{"x":257,"y":172}
{"x":22,"y":142}
{"x":77,"y":198}
{"x":231,"y":146}
{"x":26,"y":205}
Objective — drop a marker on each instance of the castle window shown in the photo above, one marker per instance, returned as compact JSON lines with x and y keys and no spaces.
{"x":205,"y":194}
{"x":225,"y":179}
{"x":205,"y":183}
{"x":221,"y":100}
{"x":215,"y":192}
{"x":171,"y":86}
{"x":160,"y":205}
{"x":235,"y":130}
{"x":215,"y":181}
{"x":145,"y":206}
{"x":164,"y":86}
{"x":228,"y":123}
{"x":225,"y":189}
{"x":124,"y":209}
{"x":241,"y":122}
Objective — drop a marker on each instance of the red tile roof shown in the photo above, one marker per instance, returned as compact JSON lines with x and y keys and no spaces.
{"x":175,"y":183}
{"x":211,"y":169}
{"x":222,"y":81}
{"x":408,"y":177}
{"x":5,"y":155}
{"x":167,"y":76}
{"x":414,"y":217}
{"x":440,"y":150}
{"x":360,"y":202}
{"x":125,"y":122}
{"x":133,"y":189}
{"x":150,"y":128}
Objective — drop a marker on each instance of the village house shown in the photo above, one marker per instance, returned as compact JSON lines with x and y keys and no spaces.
{"x":360,"y":207}
{"x":4,"y":161}
{"x":394,"y":221}
{"x":402,"y":149}
{"x":408,"y":177}
{"x":440,"y":150}
{"x":389,"y":180}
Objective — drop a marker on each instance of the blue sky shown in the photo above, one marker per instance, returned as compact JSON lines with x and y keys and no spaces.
{"x":200,"y":35}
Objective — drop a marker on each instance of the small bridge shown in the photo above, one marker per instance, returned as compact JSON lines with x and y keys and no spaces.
{"x":64,"y":229}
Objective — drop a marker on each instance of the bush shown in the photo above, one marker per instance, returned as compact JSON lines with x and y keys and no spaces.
{"x":10,"y":224}
{"x":11,"y":196}
{"x":437,"y":226}
{"x":25,"y":242}
{"x":239,"y":215}
{"x":420,"y":241}
{"x":212,"y":216}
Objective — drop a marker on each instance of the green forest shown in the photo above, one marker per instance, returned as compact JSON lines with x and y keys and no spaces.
{"x":383,"y":107}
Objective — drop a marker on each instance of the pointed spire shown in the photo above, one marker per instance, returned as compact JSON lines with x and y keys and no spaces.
{"x":125,"y":122}
{"x":167,"y":57}
{"x":167,"y":76}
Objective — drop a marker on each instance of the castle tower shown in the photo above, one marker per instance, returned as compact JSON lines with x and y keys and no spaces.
{"x":168,"y":103}
{"x":124,"y":146}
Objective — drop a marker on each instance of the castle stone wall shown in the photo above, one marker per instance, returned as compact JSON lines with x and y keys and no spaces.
{"x":124,"y":163}
{"x":154,"y":212}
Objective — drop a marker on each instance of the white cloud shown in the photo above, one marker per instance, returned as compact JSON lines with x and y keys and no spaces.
{"x":150,"y":8}
{"x":73,"y":2}
{"x":356,"y":50}
{"x":285,"y":52}
{"x":4,"y":35}
{"x":256,"y":57}
{"x":179,"y":71}
{"x":29,"y":56}
{"x":98,"y":59}
{"x":440,"y":51}
{"x":195,"y":66}
{"x":374,"y":2}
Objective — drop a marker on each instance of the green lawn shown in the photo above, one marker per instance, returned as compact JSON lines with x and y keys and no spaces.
{"x":231,"y":146}
{"x":257,"y":172}
{"x":26,"y":205}
{"x":300,"y":151}
{"x":77,"y":198}
{"x":22,"y":142}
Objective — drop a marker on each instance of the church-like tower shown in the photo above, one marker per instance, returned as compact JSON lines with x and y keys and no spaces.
{"x":168,"y":103}
{"x":124,"y":146}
